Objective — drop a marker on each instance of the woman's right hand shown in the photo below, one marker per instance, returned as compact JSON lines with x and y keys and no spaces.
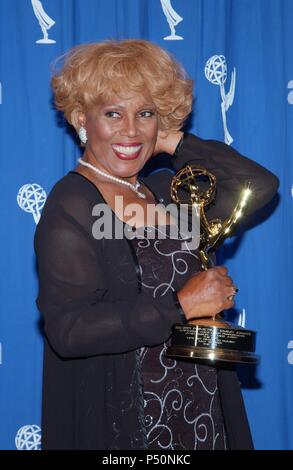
{"x":207,"y":293}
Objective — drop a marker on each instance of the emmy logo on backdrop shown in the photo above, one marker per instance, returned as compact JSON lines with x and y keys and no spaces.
{"x":31,"y":198}
{"x":0,"y":93}
{"x":28,"y":437}
{"x":173,"y":19}
{"x":216,"y":73}
{"x":44,"y":20}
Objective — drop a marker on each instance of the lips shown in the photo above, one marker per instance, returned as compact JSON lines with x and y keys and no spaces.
{"x":127,"y":151}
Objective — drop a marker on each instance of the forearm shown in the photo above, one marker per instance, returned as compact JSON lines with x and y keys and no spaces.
{"x":81,"y":329}
{"x":232,"y":171}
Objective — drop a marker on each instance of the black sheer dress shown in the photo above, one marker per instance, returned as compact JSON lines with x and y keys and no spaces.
{"x":182,"y":408}
{"x":102,"y":333}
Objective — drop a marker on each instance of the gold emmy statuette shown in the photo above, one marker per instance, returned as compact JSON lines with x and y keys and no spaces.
{"x":212,"y":339}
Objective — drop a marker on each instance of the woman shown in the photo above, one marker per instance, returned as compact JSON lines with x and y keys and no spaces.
{"x":108,"y":302}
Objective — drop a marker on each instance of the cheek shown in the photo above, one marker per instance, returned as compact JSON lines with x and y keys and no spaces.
{"x":101,"y":131}
{"x":152,"y":131}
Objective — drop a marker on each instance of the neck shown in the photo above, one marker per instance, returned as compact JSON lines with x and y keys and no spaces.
{"x":116,"y":179}
{"x":130,"y":179}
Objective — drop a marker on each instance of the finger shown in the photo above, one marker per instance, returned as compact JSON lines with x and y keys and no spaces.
{"x":229,"y":282}
{"x":229,"y":303}
{"x":221,"y":269}
{"x":234,"y":290}
{"x":231,"y":293}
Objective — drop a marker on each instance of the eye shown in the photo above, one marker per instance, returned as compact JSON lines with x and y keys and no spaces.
{"x":112,"y":114}
{"x":146,"y":113}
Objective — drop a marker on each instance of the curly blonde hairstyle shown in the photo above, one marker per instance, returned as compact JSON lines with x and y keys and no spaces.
{"x":93,"y":72}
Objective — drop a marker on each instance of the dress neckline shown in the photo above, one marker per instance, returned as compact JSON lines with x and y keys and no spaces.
{"x":113,"y":212}
{"x":97,"y":189}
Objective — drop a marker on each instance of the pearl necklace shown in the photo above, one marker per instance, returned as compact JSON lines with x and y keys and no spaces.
{"x":134,"y":187}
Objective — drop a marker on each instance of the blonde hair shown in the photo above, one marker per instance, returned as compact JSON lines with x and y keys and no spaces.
{"x":92,"y":72}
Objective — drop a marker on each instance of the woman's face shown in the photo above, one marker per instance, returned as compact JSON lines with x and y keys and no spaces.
{"x":122,"y":134}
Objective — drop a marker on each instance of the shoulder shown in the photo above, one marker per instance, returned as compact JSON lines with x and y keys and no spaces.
{"x":72,"y":196}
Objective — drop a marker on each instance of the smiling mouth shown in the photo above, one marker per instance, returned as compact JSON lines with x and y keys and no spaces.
{"x":127,"y":152}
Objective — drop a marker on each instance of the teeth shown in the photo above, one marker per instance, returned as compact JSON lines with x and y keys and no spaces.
{"x":127,"y":150}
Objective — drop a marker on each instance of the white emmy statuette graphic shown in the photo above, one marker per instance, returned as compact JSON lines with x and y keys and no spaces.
{"x":290,"y":94}
{"x":216,"y":73}
{"x":0,"y":93}
{"x":290,"y":354}
{"x":173,"y":19}
{"x":28,"y":437}
{"x":241,"y":318}
{"x":31,"y":198}
{"x":44,"y":20}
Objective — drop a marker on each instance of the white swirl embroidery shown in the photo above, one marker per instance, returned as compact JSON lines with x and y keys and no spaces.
{"x":162,"y":288}
{"x":171,"y":390}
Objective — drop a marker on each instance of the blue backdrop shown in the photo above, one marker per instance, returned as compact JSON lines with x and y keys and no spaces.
{"x":239,"y":52}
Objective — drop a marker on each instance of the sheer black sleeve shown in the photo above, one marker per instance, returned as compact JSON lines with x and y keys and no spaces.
{"x":232,"y":171}
{"x":80,"y":319}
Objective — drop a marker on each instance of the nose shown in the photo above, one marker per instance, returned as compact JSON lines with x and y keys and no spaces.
{"x":129,"y":126}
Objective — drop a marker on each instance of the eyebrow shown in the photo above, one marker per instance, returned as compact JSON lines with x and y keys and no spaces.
{"x":144,"y":105}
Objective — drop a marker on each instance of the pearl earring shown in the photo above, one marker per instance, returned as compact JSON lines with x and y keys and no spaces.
{"x":82,"y":135}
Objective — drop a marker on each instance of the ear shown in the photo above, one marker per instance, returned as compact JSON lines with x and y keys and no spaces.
{"x":81,"y":118}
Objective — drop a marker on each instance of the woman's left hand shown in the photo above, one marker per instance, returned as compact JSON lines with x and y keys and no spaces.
{"x":167,"y":142}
